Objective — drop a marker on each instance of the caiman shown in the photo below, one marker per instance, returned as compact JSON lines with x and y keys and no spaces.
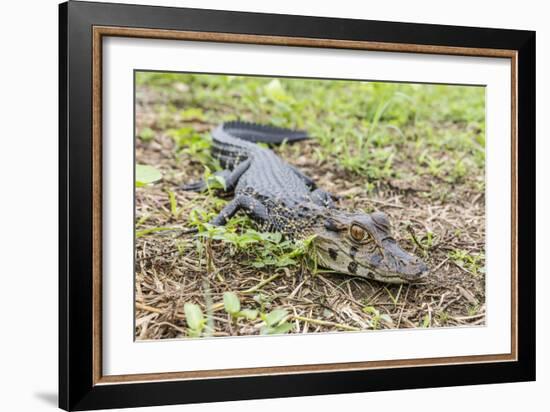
{"x":280,"y":198}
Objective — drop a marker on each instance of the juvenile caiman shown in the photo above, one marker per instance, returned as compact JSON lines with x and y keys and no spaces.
{"x":279,"y":197}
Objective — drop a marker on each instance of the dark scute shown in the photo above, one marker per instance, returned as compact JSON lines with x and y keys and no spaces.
{"x":352,"y":267}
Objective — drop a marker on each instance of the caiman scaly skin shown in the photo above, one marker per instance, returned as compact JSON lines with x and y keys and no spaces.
{"x":280,"y":198}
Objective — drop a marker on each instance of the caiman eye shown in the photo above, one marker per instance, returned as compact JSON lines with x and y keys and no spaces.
{"x":357,"y":233}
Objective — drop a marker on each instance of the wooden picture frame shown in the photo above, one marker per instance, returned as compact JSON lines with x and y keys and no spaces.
{"x":83,"y":26}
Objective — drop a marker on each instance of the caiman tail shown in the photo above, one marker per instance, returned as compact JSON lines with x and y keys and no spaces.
{"x":233,"y":141}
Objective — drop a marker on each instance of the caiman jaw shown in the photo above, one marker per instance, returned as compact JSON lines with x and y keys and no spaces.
{"x":360,"y":244}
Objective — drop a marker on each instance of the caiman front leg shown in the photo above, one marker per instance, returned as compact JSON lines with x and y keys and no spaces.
{"x":247,"y":204}
{"x":231,"y":177}
{"x":319,"y":196}
{"x":252,"y":207}
{"x":306,"y":179}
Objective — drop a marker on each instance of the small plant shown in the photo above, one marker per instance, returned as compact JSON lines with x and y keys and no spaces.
{"x":231,"y":303}
{"x":176,"y":212}
{"x":443,"y":317}
{"x":426,"y":321}
{"x":275,"y":91}
{"x":283,"y":253}
{"x":147,"y":134}
{"x":213,"y":181}
{"x":265,"y":249}
{"x":369,"y":187}
{"x":196,"y":321}
{"x":425,"y":243}
{"x":458,"y":171}
{"x":232,"y":306}
{"x":435,"y":166}
{"x":192,"y":114}
{"x":189,"y":141}
{"x":472,"y":262}
{"x":376,"y":317}
{"x":473,"y":310}
{"x":395,"y":298}
{"x":199,"y":216}
{"x":275,"y":322}
{"x":263,"y":300}
{"x":428,"y":239}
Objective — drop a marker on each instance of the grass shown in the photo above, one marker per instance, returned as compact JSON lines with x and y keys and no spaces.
{"x":416,"y":152}
{"x":365,"y":127}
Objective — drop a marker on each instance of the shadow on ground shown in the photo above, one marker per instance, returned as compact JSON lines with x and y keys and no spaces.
{"x":49,"y":398}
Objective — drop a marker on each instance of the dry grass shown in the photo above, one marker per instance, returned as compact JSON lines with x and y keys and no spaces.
{"x":171,"y":271}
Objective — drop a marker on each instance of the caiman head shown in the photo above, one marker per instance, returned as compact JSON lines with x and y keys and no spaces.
{"x":361,"y":244}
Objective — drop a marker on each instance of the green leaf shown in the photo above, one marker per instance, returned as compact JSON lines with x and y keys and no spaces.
{"x":282,"y":328}
{"x":193,"y":113}
{"x":145,"y":232}
{"x":285,"y":261}
{"x":250,"y":314}
{"x":216,"y":182}
{"x":193,"y":316}
{"x":275,"y":91}
{"x":147,"y":134}
{"x":173,"y":203}
{"x":146,"y":174}
{"x":188,"y":140}
{"x":194,"y":333}
{"x":275,"y":330}
{"x":231,"y":303}
{"x":275,"y":316}
{"x":142,"y":219}
{"x":275,"y":237}
{"x":426,"y":321}
{"x":372,"y":310}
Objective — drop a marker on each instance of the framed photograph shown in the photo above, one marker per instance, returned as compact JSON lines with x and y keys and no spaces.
{"x":257,"y":205}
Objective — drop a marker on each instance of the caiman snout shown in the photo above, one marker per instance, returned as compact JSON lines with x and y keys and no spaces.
{"x":414,"y":270}
{"x":399,"y":263}
{"x":421,"y":271}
